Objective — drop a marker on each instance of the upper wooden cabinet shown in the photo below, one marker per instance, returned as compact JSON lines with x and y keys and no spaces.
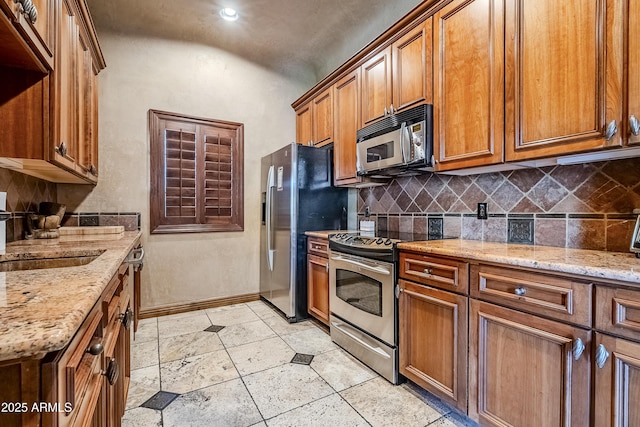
{"x":50,"y":121}
{"x":314,"y":120}
{"x":347,"y":119}
{"x":27,"y":33}
{"x":412,"y":69}
{"x":632,"y":115}
{"x":399,"y":76}
{"x":563,"y":77}
{"x":468,"y":84}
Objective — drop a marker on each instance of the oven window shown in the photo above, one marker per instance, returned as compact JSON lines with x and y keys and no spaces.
{"x":360,"y":291}
{"x":380,"y":152}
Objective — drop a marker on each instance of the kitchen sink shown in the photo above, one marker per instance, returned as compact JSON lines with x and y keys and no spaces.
{"x":41,"y":263}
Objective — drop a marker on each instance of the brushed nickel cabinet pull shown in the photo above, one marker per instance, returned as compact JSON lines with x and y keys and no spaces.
{"x":612,"y":129}
{"x":634,"y":125}
{"x":578,"y":348}
{"x":601,"y":356}
{"x":28,"y":9}
{"x":62,"y":149}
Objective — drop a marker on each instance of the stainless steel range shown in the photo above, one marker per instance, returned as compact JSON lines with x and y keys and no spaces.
{"x":363,"y":319}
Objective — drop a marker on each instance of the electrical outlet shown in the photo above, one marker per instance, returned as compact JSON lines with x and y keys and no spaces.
{"x":482,"y":211}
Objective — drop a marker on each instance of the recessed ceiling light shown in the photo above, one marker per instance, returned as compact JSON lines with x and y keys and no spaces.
{"x":229,"y":14}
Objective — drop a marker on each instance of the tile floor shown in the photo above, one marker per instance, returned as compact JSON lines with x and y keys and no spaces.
{"x":234,"y":366}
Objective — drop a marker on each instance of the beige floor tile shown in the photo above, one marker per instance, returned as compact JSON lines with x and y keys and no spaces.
{"x":262,"y":309}
{"x":383,"y":404}
{"x":341,"y":370}
{"x":142,"y":417}
{"x":144,"y":354}
{"x":260,"y":355}
{"x":196,"y":372}
{"x":281,"y":327}
{"x":147,"y":331}
{"x":310,"y":341}
{"x":231,"y":315}
{"x":328,"y":411}
{"x":224,"y":404}
{"x":183,"y":325}
{"x":285,"y":387}
{"x":184,"y":315}
{"x":244,"y":333}
{"x":145,"y":382}
{"x":187,"y":345}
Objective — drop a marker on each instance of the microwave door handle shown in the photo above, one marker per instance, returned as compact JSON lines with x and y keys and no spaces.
{"x":403,"y":127}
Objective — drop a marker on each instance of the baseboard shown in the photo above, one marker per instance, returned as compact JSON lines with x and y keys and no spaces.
{"x":198,"y":305}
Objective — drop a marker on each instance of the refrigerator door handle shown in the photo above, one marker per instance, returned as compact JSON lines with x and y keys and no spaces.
{"x":269,"y":219}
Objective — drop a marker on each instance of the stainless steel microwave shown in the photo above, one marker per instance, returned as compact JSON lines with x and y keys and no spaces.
{"x":398,"y":144}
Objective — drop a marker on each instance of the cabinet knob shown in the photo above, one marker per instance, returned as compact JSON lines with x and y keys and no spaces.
{"x":95,"y":349}
{"x":611,"y":130}
{"x":428,"y":271}
{"x":112,"y":371}
{"x":634,"y":125}
{"x":601,"y":356}
{"x":578,"y":348}
{"x":392,"y":110}
{"x":62,"y":149}
{"x":386,"y":112}
{"x":93,"y":171}
{"x":521,"y":291}
{"x":126,"y":318}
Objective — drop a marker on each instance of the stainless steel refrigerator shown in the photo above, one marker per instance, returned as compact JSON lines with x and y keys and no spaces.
{"x":297,"y":196}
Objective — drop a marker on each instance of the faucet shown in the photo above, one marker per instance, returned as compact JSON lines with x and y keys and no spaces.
{"x":4,"y":216}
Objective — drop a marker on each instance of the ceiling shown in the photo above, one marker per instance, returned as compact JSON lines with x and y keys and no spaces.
{"x":302,"y":38}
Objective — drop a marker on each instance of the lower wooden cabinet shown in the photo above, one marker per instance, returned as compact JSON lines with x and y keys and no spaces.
{"x":617,"y":382}
{"x":525,"y":370}
{"x":433,"y":341}
{"x":318,"y":279}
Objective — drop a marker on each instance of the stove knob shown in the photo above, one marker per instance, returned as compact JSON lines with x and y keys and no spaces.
{"x":380,"y":241}
{"x":387,"y":242}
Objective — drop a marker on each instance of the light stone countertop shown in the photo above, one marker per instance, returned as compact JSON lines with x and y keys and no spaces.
{"x":618,"y":266}
{"x":41,"y":309}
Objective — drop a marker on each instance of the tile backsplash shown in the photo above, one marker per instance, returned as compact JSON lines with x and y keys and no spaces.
{"x":580,"y":206}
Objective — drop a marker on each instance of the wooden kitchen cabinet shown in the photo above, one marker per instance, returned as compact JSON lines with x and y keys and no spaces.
{"x":376,"y":95}
{"x":304,"y":130}
{"x":433,"y":341}
{"x":28,"y":43}
{"x":314,"y":120}
{"x":632,"y":114}
{"x":564,"y":73}
{"x":523,"y":369}
{"x":468,"y":90}
{"x":347,"y":122}
{"x":318,"y":278}
{"x":617,"y":382}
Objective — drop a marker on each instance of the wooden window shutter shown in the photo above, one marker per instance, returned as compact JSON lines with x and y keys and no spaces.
{"x":196,"y":174}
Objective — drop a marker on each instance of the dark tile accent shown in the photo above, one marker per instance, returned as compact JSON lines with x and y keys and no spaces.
{"x":435,"y":228}
{"x":302,"y":359}
{"x":452,"y":215}
{"x":520,"y":231}
{"x":586,"y":216}
{"x":551,"y":216}
{"x":214,"y":328}
{"x":89,"y":220}
{"x":622,"y":216}
{"x":160,"y":400}
{"x":497,"y":215}
{"x":514,"y":215}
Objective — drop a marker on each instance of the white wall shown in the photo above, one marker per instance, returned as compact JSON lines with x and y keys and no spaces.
{"x":196,"y":80}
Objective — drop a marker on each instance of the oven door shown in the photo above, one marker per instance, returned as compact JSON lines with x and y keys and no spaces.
{"x":361,"y":292}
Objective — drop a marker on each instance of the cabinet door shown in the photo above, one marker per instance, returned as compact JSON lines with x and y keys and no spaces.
{"x":322,"y":120}
{"x":468,"y":89}
{"x":347,"y":121}
{"x":376,"y":87}
{"x":318,"y":287}
{"x":563,"y":78}
{"x":64,"y":97}
{"x":633,"y":73}
{"x":433,"y":341}
{"x":617,"y":382}
{"x":87,"y":112}
{"x":303,"y":125}
{"x":523,"y":369}
{"x":413,"y":67}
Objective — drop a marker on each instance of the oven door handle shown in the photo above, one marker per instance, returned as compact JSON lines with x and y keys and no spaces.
{"x":380,"y":270}
{"x":344,"y":328}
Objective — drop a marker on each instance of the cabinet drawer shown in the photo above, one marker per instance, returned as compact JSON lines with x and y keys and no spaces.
{"x":557,"y":297}
{"x":442,"y":273}
{"x":318,"y":247}
{"x":618,"y":311}
{"x":82,"y":379}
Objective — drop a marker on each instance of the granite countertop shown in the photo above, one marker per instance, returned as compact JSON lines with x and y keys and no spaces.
{"x":41,"y":309}
{"x":618,"y":266}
